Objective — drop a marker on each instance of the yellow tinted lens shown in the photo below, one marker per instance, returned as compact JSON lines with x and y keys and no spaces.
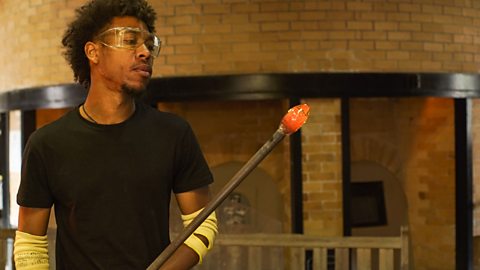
{"x":129,"y":38}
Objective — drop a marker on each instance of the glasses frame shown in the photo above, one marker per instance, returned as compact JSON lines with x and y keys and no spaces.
{"x":157,"y":43}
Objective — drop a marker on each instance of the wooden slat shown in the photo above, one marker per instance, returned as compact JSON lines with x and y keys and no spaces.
{"x":249,"y":250}
{"x":320,"y":259}
{"x":386,"y":259}
{"x":7,"y":237}
{"x":7,"y":233}
{"x":255,"y":258}
{"x":364,"y":259}
{"x":404,"y":254}
{"x":297,"y":258}
{"x":342,"y":259}
{"x":3,"y":254}
{"x":308,"y":242}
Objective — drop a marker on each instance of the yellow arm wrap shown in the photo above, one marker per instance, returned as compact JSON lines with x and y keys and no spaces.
{"x":30,"y":251}
{"x":208,"y":229}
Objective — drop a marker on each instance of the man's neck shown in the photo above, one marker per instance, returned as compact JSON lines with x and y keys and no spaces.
{"x":107,"y":107}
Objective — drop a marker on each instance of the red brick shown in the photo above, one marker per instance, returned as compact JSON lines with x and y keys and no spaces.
{"x":235,"y":18}
{"x":188,"y":29}
{"x":187,"y":10}
{"x":216,"y":8}
{"x":179,"y":59}
{"x":248,"y":27}
{"x":274,"y":6}
{"x":275,"y":26}
{"x":188,"y":49}
{"x":359,"y":6}
{"x":399,"y":36}
{"x":216,"y":29}
{"x":245,"y":8}
{"x":434,"y":47}
{"x":208,"y":58}
{"x":398,"y":55}
{"x":180,"y":20}
{"x":386,"y":45}
{"x":355,"y":25}
{"x":275,"y":46}
{"x":174,"y":40}
{"x":312,"y":15}
{"x":288,"y":16}
{"x":246,"y":47}
{"x":365,"y":45}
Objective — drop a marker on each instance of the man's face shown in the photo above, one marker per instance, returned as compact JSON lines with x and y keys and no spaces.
{"x":124,"y":69}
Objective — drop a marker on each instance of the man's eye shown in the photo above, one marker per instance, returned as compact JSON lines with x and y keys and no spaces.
{"x":149,"y":44}
{"x":130,"y":41}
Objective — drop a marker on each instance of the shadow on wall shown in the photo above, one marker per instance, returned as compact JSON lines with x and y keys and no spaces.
{"x":254,"y":207}
{"x":394,"y":199}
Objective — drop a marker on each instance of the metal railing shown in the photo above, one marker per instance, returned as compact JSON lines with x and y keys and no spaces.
{"x":289,"y":251}
{"x":284,"y":251}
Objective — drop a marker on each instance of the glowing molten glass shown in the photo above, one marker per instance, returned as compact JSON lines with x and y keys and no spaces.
{"x":294,"y":119}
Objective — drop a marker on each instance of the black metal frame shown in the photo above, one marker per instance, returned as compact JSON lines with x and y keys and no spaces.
{"x":463,"y":184}
{"x":296,"y":179}
{"x":28,"y":125}
{"x":4,"y":135}
{"x":460,"y":86}
{"x":346,"y":164}
{"x":264,"y":86}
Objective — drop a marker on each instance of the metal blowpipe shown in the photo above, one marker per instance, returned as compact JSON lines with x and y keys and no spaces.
{"x":291,"y":122}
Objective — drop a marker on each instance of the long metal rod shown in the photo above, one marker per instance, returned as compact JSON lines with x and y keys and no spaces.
{"x":220,"y":197}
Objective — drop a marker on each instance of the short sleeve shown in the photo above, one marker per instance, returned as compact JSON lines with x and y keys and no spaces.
{"x":191,"y":169}
{"x":34,"y":191}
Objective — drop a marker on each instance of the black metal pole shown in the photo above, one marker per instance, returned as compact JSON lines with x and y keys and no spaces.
{"x":346,"y":165}
{"x":296,"y":179}
{"x":29,"y":124}
{"x":4,"y":148}
{"x":463,"y":185}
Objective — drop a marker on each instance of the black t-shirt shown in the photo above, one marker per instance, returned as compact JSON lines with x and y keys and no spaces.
{"x":111,"y":185}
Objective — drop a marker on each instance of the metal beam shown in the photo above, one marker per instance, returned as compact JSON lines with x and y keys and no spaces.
{"x":262,"y":87}
{"x":28,"y":125}
{"x":4,"y":154}
{"x":296,"y":179}
{"x":463,"y":185}
{"x":346,"y":166}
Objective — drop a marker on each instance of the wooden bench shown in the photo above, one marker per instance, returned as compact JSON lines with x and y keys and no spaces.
{"x":287,"y":251}
{"x":290,"y":251}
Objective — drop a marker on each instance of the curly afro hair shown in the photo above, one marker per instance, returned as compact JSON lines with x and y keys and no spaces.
{"x":89,"y":20}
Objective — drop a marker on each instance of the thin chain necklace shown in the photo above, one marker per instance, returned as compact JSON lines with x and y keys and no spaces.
{"x":89,"y":117}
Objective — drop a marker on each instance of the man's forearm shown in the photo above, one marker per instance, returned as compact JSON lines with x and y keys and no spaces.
{"x":30,"y":251}
{"x":183,"y":258}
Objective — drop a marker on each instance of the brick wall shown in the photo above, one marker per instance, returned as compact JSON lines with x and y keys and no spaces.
{"x":322,"y":163}
{"x":251,"y":36}
{"x":234,"y":131}
{"x":414,"y":139}
{"x":476,"y":165}
{"x":476,"y":178}
{"x":304,"y":36}
{"x":32,"y":54}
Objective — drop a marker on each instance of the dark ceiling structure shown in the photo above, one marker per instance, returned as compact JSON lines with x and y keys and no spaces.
{"x":461,"y":87}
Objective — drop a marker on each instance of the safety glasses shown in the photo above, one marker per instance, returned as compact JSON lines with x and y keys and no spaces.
{"x":130,"y":38}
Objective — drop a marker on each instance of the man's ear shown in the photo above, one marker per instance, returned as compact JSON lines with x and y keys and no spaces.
{"x":91,"y":51}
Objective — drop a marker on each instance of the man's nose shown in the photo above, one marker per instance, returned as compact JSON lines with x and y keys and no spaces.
{"x":143,"y":52}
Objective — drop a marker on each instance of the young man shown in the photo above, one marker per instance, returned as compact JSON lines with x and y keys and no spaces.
{"x":109,"y":166}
